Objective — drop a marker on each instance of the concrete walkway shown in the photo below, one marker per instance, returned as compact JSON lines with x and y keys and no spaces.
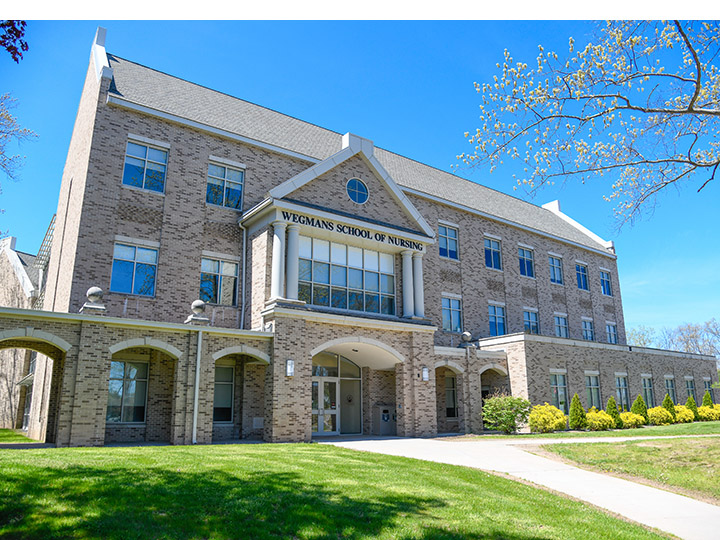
{"x":676,"y":514}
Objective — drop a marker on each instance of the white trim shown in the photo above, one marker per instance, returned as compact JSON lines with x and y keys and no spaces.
{"x":560,"y":314}
{"x":646,"y":376}
{"x":592,"y":373}
{"x":526,"y":246}
{"x":146,"y":140}
{"x":553,"y":254}
{"x":707,"y":378}
{"x":526,"y":308}
{"x":621,"y":374}
{"x":496,"y":303}
{"x":358,"y":339}
{"x":99,"y":56}
{"x":587,"y":318}
{"x":221,"y":256}
{"x":605,"y":269}
{"x":456,"y":368}
{"x":492,"y":237}
{"x":34,"y":335}
{"x":495,"y":367}
{"x":451,"y":295}
{"x":669,"y":376}
{"x":137,"y":241}
{"x":449,"y":351}
{"x":611,"y":322}
{"x":228,"y":162}
{"x":689,"y":378}
{"x":583,"y":263}
{"x":558,"y":371}
{"x":17,"y":266}
{"x":146,"y":342}
{"x":448,"y":224}
{"x":499,"y":355}
{"x":241,"y":349}
{"x":554,"y":207}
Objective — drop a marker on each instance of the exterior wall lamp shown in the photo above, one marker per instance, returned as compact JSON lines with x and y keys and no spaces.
{"x":289,"y":367}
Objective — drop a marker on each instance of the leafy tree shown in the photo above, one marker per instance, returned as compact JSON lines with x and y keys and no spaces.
{"x":641,"y":336}
{"x":12,"y":38}
{"x":640,"y":103}
{"x":504,"y":412}
{"x":10,"y":131}
{"x":669,"y":405}
{"x":578,"y":418}
{"x":690,"y":404}
{"x":612,"y":409}
{"x":707,"y":399}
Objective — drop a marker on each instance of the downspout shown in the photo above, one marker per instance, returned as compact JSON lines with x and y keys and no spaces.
{"x":242,"y":283}
{"x":197,"y":387}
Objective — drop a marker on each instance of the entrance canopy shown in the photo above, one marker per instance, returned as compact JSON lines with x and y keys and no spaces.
{"x":363,"y":351}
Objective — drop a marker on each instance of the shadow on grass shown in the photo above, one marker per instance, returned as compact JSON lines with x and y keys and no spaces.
{"x":96,"y":502}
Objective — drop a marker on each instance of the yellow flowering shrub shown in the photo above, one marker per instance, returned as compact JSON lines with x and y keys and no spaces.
{"x":599,"y":420}
{"x":683,"y":415}
{"x":660,"y":416}
{"x":632,"y":420}
{"x":708,"y":413}
{"x":546,"y":418}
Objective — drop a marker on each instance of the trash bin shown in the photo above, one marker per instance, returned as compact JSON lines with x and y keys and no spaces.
{"x":384,"y":420}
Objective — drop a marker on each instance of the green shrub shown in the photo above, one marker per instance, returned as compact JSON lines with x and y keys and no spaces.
{"x":707,"y":399}
{"x":708,"y":413}
{"x":683,"y":415}
{"x":505,"y":413}
{"x":631,"y":420}
{"x":577,"y":418}
{"x":690,"y":404}
{"x":639,"y":407}
{"x":612,"y":409}
{"x":546,"y":418}
{"x":660,"y":416}
{"x":670,"y":406}
{"x":599,"y":420}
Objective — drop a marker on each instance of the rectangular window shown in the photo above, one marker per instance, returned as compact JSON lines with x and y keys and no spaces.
{"x":582,"y":276}
{"x":592,"y":385}
{"x":558,"y":388}
{"x":561,"y":326}
{"x":225,"y":186}
{"x":588,"y":331}
{"x":530,"y":319}
{"x":497,"y":320}
{"x":709,"y":388}
{"x":648,"y":395}
{"x":223,"y":400}
{"x":145,"y":167}
{"x":133,"y":270}
{"x":448,"y":242}
{"x":346,"y":277}
{"x":527,"y":263}
{"x":492,"y":254}
{"x":556,"y":271}
{"x":451,"y":396}
{"x":452,"y":314}
{"x":605,"y":283}
{"x":218,"y":282}
{"x":621,"y":390}
{"x":611,"y":331}
{"x":690,"y":388}
{"x":128,"y":392}
{"x":670,"y":388}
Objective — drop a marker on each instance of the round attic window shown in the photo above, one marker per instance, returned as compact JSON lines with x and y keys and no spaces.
{"x":357,"y":191}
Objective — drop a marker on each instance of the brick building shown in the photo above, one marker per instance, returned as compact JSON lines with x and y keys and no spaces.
{"x":338,"y":280}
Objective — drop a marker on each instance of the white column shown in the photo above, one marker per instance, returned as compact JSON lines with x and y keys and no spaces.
{"x":408,"y":293}
{"x":418,"y":285}
{"x":278,"y":260}
{"x":293,"y":260}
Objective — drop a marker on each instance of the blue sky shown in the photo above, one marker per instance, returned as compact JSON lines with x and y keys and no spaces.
{"x":408,"y":86}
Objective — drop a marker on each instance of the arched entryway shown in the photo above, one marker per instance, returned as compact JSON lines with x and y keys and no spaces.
{"x":494,"y":380}
{"x":449,"y":397}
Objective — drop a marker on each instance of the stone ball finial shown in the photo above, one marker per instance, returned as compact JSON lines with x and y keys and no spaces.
{"x":466,"y":337}
{"x":198,"y":307}
{"x":94,"y":295}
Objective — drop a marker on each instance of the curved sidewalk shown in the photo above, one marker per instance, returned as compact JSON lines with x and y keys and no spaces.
{"x":676,"y":514}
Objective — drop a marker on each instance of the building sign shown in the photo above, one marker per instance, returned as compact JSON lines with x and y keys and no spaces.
{"x":350,"y":230}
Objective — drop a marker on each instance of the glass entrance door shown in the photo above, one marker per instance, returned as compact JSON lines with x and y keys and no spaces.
{"x":325,"y":406}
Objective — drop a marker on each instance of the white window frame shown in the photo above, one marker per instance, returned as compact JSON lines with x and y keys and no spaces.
{"x":578,"y":266}
{"x":128,"y":360}
{"x":556,"y":270}
{"x":220,"y":275}
{"x":561,"y":329}
{"x":611,"y":332}
{"x":588,"y":329}
{"x":492,"y":240}
{"x":707,"y":383}
{"x":451,"y":395}
{"x":448,"y":239}
{"x":503,"y":316}
{"x":647,"y":389}
{"x":605,"y":283}
{"x":531,"y":321}
{"x":593,"y":390}
{"x":690,"y":386}
{"x":526,"y":256}
{"x":232,"y":394}
{"x":136,"y":246}
{"x":148,"y":144}
{"x":225,"y":164}
{"x":454,"y":305}
{"x":670,"y":387}
{"x":555,"y":386}
{"x":622,"y":392}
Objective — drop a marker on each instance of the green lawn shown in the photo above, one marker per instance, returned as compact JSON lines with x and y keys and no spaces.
{"x":10,"y":436}
{"x":692,"y":465}
{"x":298,"y":491}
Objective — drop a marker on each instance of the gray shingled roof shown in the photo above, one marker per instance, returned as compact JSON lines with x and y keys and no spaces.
{"x":27,"y":261}
{"x":169,"y":94}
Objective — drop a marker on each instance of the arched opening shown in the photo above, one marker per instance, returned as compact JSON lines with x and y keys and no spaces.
{"x":494,"y":380}
{"x":449,"y":398}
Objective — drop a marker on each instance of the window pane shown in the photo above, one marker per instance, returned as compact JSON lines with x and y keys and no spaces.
{"x":155,"y":177}
{"x":122,"y":272}
{"x":214,"y":192}
{"x":228,"y":291}
{"x":305,"y":270}
{"x":133,"y":172}
{"x":305,"y":292}
{"x":114,"y":401}
{"x":146,"y":255}
{"x":306,"y":247}
{"x":387,"y":263}
{"x":209,"y":288}
{"x":223,"y":395}
{"x":372,"y":303}
{"x":371,"y":260}
{"x":355,"y":278}
{"x":387,"y":284}
{"x":355,"y":257}
{"x":136,"y":150}
{"x":229,"y":269}
{"x":324,"y":365}
{"x":321,"y":250}
{"x":144,"y":280}
{"x":339,"y":276}
{"x":122,"y":251}
{"x":338,"y":253}
{"x":387,"y":305}
{"x":235,"y":175}
{"x":372,"y":281}
{"x":321,"y":295}
{"x":223,"y":374}
{"x":321,"y":272}
{"x":209,"y":265}
{"x":355,"y":301}
{"x":136,"y":370}
{"x":339,"y":298}
{"x":233,"y":195}
{"x":216,"y":170}
{"x":117,"y":370}
{"x":157,"y":155}
{"x":348,"y":369}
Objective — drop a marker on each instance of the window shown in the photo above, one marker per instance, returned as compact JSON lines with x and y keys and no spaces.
{"x":357,"y":191}
{"x":452,"y":315}
{"x":223,"y":400}
{"x":497,"y":320}
{"x":128,"y":392}
{"x":611,"y":331}
{"x":558,"y":388}
{"x":588,"y":331}
{"x":556,"y":271}
{"x":218,"y":282}
{"x":670,"y":388}
{"x":621,"y":389}
{"x":647,"y":389}
{"x":561,"y":326}
{"x":582,"y":276}
{"x":492,"y":254}
{"x":448,"y":242}
{"x":592,"y":385}
{"x":690,"y":388}
{"x":527,"y":265}
{"x":451,"y":396}
{"x":225,"y":186}
{"x":145,"y":167}
{"x":346,"y":277}
{"x":133,"y":270}
{"x":530,"y":319}
{"x":605,"y":283}
{"x":709,"y":388}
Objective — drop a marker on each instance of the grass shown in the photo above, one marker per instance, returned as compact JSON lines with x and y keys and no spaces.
{"x":10,"y":436}
{"x":298,"y":491}
{"x":691,"y":466}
